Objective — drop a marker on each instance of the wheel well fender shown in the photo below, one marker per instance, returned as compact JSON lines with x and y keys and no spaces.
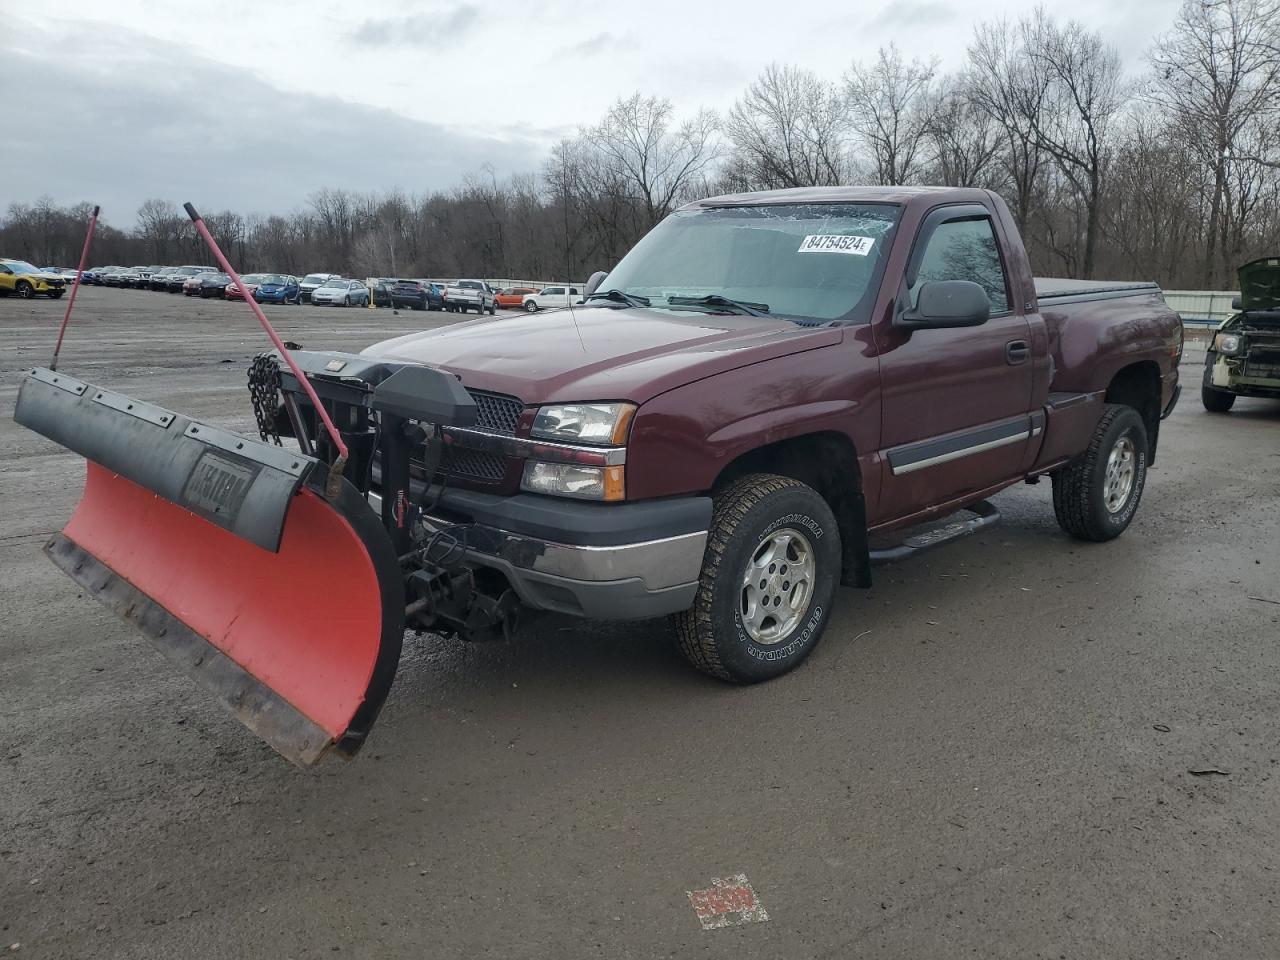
{"x":828,"y":462}
{"x":1138,"y":386}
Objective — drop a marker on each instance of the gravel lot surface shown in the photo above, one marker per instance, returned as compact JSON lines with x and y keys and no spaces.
{"x":990,"y":755}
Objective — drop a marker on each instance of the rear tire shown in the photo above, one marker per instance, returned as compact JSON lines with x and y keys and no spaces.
{"x":1095,"y":496}
{"x":768,"y":579}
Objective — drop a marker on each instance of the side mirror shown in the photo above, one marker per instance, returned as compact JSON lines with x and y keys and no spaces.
{"x":1236,"y":304}
{"x":947,"y":303}
{"x":593,"y":284}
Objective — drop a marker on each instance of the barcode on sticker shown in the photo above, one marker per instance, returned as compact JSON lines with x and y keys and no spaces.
{"x":836,"y":243}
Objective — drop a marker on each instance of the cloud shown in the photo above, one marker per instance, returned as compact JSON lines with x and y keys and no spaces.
{"x":136,"y":118}
{"x":420,"y":30}
{"x":594,"y":46}
{"x":912,"y":14}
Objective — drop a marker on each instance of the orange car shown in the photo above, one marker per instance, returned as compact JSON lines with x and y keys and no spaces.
{"x":513,"y":297}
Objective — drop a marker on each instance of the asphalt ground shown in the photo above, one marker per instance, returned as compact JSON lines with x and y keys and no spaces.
{"x":1001,"y":750}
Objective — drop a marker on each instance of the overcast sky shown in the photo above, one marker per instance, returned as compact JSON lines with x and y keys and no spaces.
{"x":253,"y":106}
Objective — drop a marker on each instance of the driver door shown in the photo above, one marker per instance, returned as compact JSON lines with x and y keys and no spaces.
{"x":955,"y":402}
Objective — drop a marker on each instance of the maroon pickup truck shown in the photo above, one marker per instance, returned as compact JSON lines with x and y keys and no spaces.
{"x":735,"y":420}
{"x":768,"y":383}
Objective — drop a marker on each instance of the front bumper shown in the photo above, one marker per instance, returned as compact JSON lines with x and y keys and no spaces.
{"x":1237,"y":375}
{"x":628,"y":561}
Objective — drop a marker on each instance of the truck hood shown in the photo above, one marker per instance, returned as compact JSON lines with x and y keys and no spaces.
{"x":600,"y":353}
{"x":1260,"y":284}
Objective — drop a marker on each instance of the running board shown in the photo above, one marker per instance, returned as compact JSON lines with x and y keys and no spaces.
{"x":985,"y":515}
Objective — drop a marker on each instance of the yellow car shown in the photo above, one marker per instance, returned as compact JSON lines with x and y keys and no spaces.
{"x":20,"y":277}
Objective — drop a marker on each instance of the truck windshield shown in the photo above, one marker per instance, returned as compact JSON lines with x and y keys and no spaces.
{"x":807,"y":262}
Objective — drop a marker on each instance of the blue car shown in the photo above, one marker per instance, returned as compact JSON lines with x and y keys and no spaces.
{"x":275,"y":288}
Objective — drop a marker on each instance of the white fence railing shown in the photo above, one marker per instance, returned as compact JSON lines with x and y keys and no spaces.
{"x":1202,"y":306}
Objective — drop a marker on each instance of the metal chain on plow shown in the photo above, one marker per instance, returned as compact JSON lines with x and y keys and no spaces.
{"x":264,"y":393}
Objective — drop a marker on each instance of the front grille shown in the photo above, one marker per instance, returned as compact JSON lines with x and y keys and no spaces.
{"x":472,"y":464}
{"x":1267,"y":366}
{"x":496,"y":414}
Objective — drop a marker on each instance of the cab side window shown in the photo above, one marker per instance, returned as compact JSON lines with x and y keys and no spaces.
{"x":965,"y":250}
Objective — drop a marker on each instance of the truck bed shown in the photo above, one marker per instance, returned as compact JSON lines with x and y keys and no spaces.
{"x":1060,"y":291}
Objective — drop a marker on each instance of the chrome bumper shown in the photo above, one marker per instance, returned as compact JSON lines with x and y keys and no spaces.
{"x":627,"y":581}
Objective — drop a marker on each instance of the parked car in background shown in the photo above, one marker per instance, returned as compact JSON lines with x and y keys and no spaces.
{"x":134,"y":277}
{"x":66,"y":273}
{"x":24,"y":280}
{"x":382,"y":291}
{"x":251,"y":282}
{"x":143,"y":275}
{"x":463,"y":295}
{"x":213,"y":285}
{"x":414,"y":294}
{"x":96,"y":273}
{"x":178,"y":279}
{"x":191,"y":284}
{"x":312,"y":281}
{"x":160,"y":279}
{"x":1243,"y":359}
{"x":341,"y":293}
{"x":275,"y":288}
{"x":114,"y":277}
{"x":513,"y":297}
{"x":550,"y":298}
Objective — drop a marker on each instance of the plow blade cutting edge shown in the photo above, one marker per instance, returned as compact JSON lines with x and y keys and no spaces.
{"x":285,"y":605}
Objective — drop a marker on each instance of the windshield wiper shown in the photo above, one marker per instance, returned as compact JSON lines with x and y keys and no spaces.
{"x":620,"y":296}
{"x":715,"y":300}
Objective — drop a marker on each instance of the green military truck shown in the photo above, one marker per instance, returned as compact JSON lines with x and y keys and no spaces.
{"x":1244,"y":357}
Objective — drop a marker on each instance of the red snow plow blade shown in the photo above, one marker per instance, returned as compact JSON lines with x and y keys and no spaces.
{"x":287,"y":605}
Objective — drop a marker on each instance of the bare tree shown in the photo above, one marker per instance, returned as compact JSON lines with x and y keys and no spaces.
{"x":160,"y":225}
{"x":656,"y":160}
{"x":887,"y":103}
{"x":1216,"y":75}
{"x":1003,"y":84}
{"x":1073,"y":114}
{"x":789,"y":130}
{"x":964,"y":141}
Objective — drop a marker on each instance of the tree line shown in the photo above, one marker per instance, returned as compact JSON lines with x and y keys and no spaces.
{"x":1170,"y":174}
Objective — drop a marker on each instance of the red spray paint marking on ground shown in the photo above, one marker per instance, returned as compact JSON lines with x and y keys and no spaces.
{"x":727,"y":902}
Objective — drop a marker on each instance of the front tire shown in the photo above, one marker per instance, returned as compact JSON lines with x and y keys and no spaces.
{"x":1096,"y":495}
{"x":54,"y":294}
{"x":1216,"y":401}
{"x":24,"y":290}
{"x":530,"y":307}
{"x":768,"y":579}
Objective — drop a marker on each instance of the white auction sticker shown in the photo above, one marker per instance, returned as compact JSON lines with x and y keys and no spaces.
{"x":836,"y":243}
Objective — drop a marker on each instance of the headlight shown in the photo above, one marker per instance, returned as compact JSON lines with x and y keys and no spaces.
{"x":604,"y":423}
{"x":573,"y":480}
{"x":1227,"y":344}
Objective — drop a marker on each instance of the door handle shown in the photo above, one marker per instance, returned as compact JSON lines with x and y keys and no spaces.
{"x":1016,"y":351}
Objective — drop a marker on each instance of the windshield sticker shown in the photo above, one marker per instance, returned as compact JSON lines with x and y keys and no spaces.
{"x":836,"y":243}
